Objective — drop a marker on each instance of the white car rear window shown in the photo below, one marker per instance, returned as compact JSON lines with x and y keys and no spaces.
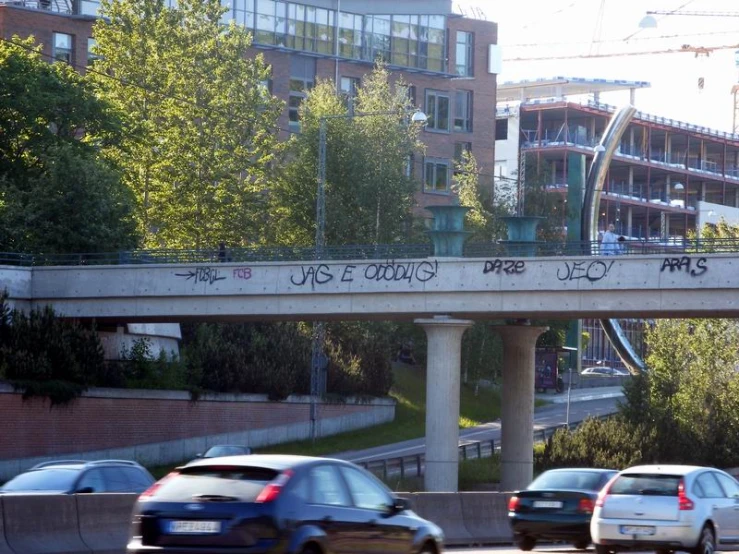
{"x":646,"y":484}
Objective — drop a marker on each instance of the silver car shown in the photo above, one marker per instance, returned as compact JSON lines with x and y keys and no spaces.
{"x":665,"y":508}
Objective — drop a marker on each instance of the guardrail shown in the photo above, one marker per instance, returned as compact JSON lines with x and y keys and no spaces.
{"x":500,"y":249}
{"x":414,"y":465}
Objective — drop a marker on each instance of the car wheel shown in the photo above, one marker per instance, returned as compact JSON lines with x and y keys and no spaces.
{"x":428,"y":549}
{"x":662,"y":551}
{"x":602,"y":549}
{"x":525,"y":543}
{"x":310,"y":549}
{"x":581,"y":544}
{"x":706,"y":544}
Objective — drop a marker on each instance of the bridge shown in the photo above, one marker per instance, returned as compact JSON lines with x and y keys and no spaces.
{"x":442,"y":294}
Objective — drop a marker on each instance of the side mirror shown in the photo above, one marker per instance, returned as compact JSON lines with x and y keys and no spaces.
{"x":399,"y":505}
{"x":199,"y":455}
{"x":84,"y":490}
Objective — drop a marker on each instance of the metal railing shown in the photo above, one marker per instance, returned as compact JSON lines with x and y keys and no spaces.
{"x":499,"y":249}
{"x":414,"y":465}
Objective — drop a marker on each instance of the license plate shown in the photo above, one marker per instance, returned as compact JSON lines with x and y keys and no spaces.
{"x":637,"y":530}
{"x":194,"y":527}
{"x":547,"y":504}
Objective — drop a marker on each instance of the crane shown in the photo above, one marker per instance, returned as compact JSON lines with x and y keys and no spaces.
{"x":693,"y":13}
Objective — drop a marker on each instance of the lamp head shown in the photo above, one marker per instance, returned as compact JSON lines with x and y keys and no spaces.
{"x":419,"y":117}
{"x":648,"y":22}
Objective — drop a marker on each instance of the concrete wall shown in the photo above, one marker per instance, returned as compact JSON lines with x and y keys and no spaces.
{"x":162,"y":427}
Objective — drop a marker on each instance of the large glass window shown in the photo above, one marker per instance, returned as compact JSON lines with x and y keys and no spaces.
{"x":432,"y":31}
{"x":350,"y":35}
{"x":302,"y":78}
{"x":463,"y":111}
{"x":377,"y":29}
{"x":437,"y":110}
{"x":243,"y":11}
{"x":436,"y":175}
{"x":464,"y":50}
{"x":62,"y":50}
{"x":310,"y":28}
{"x":501,"y":129}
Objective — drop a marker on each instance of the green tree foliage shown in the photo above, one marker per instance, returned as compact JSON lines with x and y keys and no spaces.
{"x":43,"y":355}
{"x":57,"y":194}
{"x":200,"y":128}
{"x":542,"y":203}
{"x":685,"y":409}
{"x":368,"y":194}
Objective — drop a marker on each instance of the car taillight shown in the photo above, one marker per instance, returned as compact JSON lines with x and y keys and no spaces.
{"x":604,"y":492}
{"x":586,"y":506}
{"x":273,"y":489}
{"x":148,"y":493}
{"x":514,"y":503}
{"x":683,"y":502}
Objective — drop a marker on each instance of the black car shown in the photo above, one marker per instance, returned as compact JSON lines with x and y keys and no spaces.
{"x":80,"y":477}
{"x":274,"y":503}
{"x":557,"y":505}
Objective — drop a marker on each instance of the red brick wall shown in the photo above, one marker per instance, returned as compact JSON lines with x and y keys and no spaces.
{"x":25,"y":22}
{"x":31,"y":428}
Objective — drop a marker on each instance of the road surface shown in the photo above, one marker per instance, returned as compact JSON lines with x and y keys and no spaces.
{"x":543,"y":549}
{"x":547,"y":416}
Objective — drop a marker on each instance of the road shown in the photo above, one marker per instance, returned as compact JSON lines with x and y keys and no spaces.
{"x":544,"y":549}
{"x":546,"y":416}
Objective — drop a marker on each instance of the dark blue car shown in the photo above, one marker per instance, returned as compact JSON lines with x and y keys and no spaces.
{"x":272,"y":503}
{"x":557,"y":505}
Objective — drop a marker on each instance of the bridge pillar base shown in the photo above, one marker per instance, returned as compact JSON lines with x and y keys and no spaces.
{"x":517,"y":404}
{"x":442,"y":401}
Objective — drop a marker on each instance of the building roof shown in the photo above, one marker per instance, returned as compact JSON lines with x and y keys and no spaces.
{"x":554,"y":87}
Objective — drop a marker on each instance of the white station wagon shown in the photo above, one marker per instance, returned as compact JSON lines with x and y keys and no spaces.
{"x":667,"y":508}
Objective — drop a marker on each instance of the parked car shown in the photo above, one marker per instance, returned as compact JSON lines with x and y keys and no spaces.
{"x":81,"y":477}
{"x":224,"y":450}
{"x":604,"y":371}
{"x":667,"y":508}
{"x":276,"y":503}
{"x":557,"y":505}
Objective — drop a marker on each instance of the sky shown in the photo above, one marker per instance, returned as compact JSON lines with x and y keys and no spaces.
{"x":574,"y":28}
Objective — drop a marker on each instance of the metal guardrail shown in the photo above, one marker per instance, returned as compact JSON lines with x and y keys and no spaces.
{"x":414,"y":465}
{"x":500,"y":249}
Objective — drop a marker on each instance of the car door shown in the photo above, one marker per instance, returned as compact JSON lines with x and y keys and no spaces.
{"x":115,"y":480}
{"x":719,"y":505}
{"x":332,"y":511}
{"x":731,"y":488}
{"x":388,"y":530}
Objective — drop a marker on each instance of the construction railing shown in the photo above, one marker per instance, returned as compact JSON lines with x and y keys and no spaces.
{"x":500,"y":249}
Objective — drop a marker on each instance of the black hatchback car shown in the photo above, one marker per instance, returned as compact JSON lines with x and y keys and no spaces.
{"x":557,"y":505}
{"x":80,"y":477}
{"x":274,"y":503}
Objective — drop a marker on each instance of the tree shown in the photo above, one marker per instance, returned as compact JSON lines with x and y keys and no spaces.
{"x":57,"y":193}
{"x":200,"y":131}
{"x":369,"y":194}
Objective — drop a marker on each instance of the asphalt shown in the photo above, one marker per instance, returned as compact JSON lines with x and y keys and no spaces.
{"x":583,"y":403}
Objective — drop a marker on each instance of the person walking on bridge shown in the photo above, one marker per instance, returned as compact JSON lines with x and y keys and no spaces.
{"x":609,"y":246}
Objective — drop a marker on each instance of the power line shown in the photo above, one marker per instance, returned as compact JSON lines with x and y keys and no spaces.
{"x":685,"y":48}
{"x":619,"y":41}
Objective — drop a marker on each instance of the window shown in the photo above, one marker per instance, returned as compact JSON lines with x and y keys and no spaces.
{"x":463,"y":111}
{"x":709,"y":486}
{"x":91,"y":55}
{"x":92,"y":481}
{"x":327,"y":487}
{"x":366,"y":493}
{"x":465,"y":47}
{"x":137,"y":479}
{"x":348,"y":89}
{"x":310,"y":28}
{"x":350,"y":35}
{"x":302,"y":76}
{"x":89,"y":7}
{"x":437,"y":111}
{"x":62,"y":50}
{"x":115,"y":480}
{"x":270,"y":22}
{"x":410,"y":93}
{"x":460,"y":148}
{"x":377,"y":29}
{"x":436,"y":175}
{"x":731,"y":487}
{"x":243,"y":13}
{"x":501,"y":129}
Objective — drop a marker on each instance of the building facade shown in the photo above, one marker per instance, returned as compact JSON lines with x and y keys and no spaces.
{"x":448,"y":61}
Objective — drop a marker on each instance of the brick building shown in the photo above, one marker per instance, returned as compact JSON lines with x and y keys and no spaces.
{"x":449,"y":61}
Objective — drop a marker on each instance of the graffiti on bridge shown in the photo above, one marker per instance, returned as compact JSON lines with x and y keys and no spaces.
{"x":684,"y":263}
{"x":409,"y":272}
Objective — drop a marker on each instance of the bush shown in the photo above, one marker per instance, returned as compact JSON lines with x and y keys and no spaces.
{"x":42,"y":355}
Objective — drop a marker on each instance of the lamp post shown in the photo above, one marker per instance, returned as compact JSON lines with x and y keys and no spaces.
{"x":318,"y":358}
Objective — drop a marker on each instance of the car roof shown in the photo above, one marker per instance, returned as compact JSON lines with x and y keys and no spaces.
{"x":581,"y":469}
{"x":277,"y":462}
{"x":80,"y":464}
{"x":227,"y":446}
{"x":664,"y":469}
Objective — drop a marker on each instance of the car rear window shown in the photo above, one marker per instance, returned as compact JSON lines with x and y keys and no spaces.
{"x":240,"y":483}
{"x":580,"y":480}
{"x":646,"y":484}
{"x":56,"y":479}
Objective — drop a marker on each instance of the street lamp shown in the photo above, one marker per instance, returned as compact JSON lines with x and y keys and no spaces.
{"x":318,"y":358}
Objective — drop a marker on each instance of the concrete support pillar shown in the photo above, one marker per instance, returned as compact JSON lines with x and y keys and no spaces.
{"x":517,"y":405}
{"x":443,"y":368}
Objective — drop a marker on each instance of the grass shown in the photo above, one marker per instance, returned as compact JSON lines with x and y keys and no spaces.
{"x":473,"y":475}
{"x":409,"y":392}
